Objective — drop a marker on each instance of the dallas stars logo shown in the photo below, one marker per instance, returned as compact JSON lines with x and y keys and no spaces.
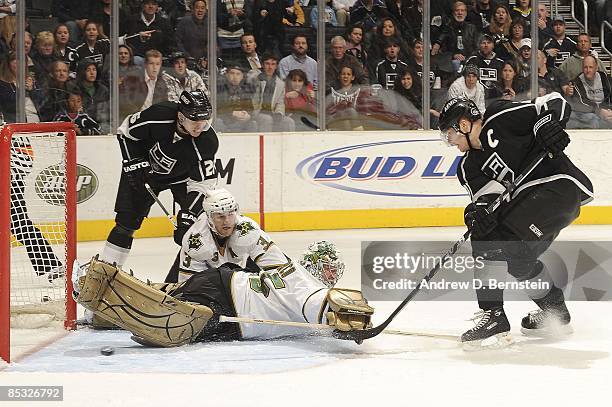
{"x":244,"y":228}
{"x":194,"y":241}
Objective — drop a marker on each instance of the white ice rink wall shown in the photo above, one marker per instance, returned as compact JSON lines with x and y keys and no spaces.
{"x":330,"y":180}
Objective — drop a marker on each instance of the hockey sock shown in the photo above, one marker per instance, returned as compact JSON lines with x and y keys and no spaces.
{"x":114,"y":254}
{"x":490,"y":298}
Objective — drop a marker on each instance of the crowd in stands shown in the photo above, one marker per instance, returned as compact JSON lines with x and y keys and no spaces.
{"x":267,"y":65}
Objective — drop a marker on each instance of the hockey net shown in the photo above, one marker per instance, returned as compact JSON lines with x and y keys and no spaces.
{"x":37,"y":231}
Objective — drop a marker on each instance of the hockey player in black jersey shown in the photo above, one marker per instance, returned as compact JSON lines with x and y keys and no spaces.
{"x":170,"y":146}
{"x":497,"y":148}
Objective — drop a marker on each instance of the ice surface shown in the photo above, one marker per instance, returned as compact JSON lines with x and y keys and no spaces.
{"x":306,"y":370}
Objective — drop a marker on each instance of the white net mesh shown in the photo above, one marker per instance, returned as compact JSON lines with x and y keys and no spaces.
{"x":38,"y":229}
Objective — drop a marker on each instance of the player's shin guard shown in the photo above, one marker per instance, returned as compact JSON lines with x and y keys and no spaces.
{"x":153,"y":316}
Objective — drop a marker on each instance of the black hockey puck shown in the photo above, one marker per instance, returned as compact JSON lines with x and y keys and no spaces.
{"x":107,"y":350}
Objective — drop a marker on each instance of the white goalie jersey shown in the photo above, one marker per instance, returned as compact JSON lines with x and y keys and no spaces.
{"x":283,"y":290}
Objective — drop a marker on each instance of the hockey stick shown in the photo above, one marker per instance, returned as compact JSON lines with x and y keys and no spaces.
{"x":161,"y":205}
{"x":309,"y":123}
{"x":244,"y":320}
{"x":360,"y":335}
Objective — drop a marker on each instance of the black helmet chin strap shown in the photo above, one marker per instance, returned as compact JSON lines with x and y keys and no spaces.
{"x":467,"y":135}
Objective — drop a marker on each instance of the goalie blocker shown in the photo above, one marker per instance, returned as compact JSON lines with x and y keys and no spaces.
{"x":173,"y":314}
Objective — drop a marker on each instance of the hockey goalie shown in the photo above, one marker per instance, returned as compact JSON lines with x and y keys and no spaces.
{"x":215,"y":283}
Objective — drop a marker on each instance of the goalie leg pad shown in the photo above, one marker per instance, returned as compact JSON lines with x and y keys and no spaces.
{"x":149,"y":313}
{"x":348,"y":310}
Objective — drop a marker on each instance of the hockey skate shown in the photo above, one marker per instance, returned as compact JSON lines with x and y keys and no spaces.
{"x":547,"y":322}
{"x":492,"y":331}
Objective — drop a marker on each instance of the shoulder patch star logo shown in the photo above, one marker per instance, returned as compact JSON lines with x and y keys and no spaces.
{"x":194,"y":241}
{"x":244,"y":228}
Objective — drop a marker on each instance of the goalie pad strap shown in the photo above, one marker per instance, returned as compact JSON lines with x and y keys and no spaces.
{"x":147,"y":312}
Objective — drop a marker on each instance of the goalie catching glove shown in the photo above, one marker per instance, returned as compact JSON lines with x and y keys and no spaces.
{"x":347,"y":310}
{"x":550,"y":134}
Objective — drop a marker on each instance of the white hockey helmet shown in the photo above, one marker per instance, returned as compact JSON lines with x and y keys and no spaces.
{"x":219,"y":201}
{"x":322,"y":260}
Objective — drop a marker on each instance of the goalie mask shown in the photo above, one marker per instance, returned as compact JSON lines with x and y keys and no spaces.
{"x":322,"y":260}
{"x":221,"y":210}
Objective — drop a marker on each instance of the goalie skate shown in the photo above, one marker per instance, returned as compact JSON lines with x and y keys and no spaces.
{"x":492,"y":331}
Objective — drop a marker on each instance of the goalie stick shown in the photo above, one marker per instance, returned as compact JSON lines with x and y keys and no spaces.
{"x":161,"y":205}
{"x":359,"y":335}
{"x":244,"y":320}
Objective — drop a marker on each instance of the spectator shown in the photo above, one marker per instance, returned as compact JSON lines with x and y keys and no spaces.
{"x":387,"y":69}
{"x":268,"y":21}
{"x":560,"y":47}
{"x":459,"y":38}
{"x":249,"y":59}
{"x":7,"y":7}
{"x":146,"y":89}
{"x":545,"y":29}
{"x":73,"y":112}
{"x":572,"y":66}
{"x":43,"y":56}
{"x":499,"y":28}
{"x":510,"y":86}
{"x":8,"y":27}
{"x":552,"y":79}
{"x":73,"y":13}
{"x":192,"y":31}
{"x":489,"y":66}
{"x":126,"y":63}
{"x":293,"y":15}
{"x":376,"y":41}
{"x":235,"y":102}
{"x":96,"y":46}
{"x":329,"y":17}
{"x":27,"y":49}
{"x":233,"y":19}
{"x":63,"y":51}
{"x":409,"y":87}
{"x":342,"y":8}
{"x":56,"y":91}
{"x":181,"y":79}
{"x":522,"y":10}
{"x":339,"y":58}
{"x":368,"y":13}
{"x":101,"y":11}
{"x":299,"y":95}
{"x":440,"y":10}
{"x":342,"y":109}
{"x":592,"y":99}
{"x":269,"y":99}
{"x":8,"y":91}
{"x":299,"y":60}
{"x":467,"y":86}
{"x":524,"y":60}
{"x":354,"y":45}
{"x":484,"y":9}
{"x":399,"y":10}
{"x":509,"y":49}
{"x":95,"y":96}
{"x":148,"y":30}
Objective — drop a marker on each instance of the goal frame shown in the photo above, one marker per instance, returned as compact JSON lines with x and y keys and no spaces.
{"x":5,"y":233}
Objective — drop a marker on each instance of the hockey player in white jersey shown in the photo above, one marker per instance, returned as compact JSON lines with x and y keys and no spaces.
{"x":213,"y":251}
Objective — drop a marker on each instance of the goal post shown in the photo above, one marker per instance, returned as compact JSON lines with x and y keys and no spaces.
{"x":37,"y":228}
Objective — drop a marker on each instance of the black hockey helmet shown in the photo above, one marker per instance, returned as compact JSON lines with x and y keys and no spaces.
{"x":194,"y":105}
{"x":452,"y":112}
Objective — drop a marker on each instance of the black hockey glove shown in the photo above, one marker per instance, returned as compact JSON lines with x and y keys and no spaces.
{"x":136,"y":171}
{"x":184,"y":220}
{"x":477,"y":219}
{"x":550,"y":134}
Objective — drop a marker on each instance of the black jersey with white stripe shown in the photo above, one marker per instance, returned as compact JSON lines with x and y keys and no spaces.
{"x":509,"y":145}
{"x":174,"y":159}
